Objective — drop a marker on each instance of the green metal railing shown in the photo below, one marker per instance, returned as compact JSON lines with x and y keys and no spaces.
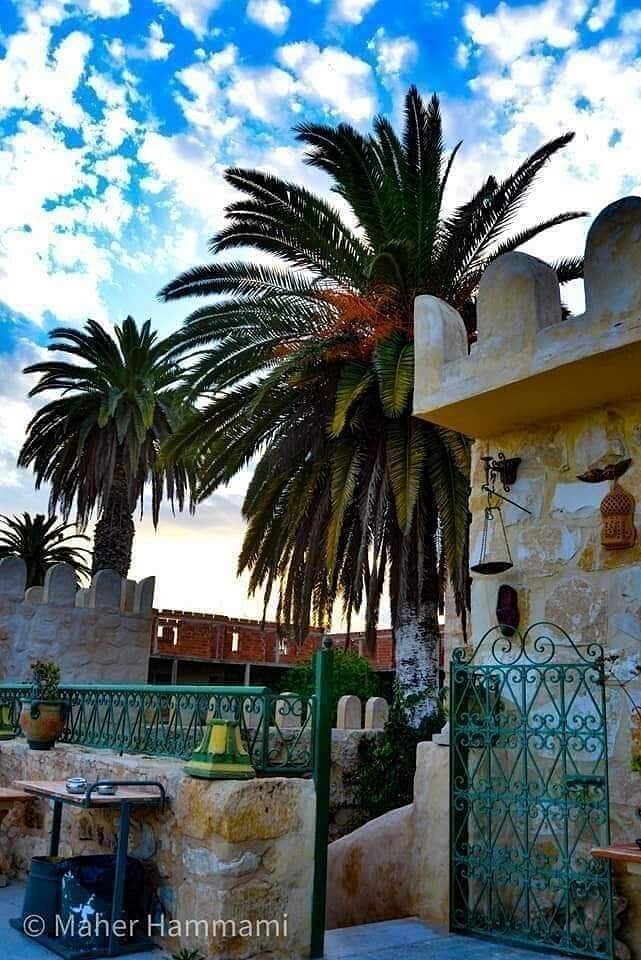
{"x":285,"y":734}
{"x":169,"y":721}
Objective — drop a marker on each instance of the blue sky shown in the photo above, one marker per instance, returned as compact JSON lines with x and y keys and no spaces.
{"x":117,"y":118}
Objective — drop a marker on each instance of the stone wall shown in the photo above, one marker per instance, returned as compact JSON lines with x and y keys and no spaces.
{"x":222,"y":850}
{"x":397,"y":865}
{"x":99,"y":633}
{"x":563,"y":395}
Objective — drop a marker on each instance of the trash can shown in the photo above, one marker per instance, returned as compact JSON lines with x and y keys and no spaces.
{"x":86,"y":895}
{"x":42,"y":895}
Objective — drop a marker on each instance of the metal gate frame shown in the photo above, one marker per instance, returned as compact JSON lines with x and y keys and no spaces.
{"x":520,"y":864}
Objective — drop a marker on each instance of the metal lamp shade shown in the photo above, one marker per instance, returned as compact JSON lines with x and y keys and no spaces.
{"x":494,"y":555}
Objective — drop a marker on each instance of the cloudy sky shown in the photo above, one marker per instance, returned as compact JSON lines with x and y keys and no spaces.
{"x":117,"y":118}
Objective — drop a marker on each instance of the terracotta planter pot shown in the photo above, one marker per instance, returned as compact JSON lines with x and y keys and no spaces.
{"x":42,"y":722}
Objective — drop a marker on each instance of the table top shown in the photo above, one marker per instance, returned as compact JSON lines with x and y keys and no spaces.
{"x":57,"y":790}
{"x":628,"y":852}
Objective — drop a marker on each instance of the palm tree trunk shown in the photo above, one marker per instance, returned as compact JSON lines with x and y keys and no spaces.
{"x":416,"y":625}
{"x":416,"y":640}
{"x":114,"y":534}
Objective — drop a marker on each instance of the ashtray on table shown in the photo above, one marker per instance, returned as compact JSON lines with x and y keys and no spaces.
{"x":76,"y":785}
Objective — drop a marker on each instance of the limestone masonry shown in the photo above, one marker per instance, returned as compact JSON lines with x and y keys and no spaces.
{"x":93,"y":634}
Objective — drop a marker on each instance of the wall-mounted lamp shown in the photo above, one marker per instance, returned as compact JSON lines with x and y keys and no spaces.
{"x":495,"y":555}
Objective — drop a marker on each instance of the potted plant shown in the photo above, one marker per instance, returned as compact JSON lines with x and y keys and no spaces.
{"x":43,"y":713}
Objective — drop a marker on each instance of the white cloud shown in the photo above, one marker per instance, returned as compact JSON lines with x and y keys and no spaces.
{"x":271,"y":14}
{"x":16,"y":409}
{"x":52,"y":12}
{"x":508,"y":32}
{"x":117,"y":122}
{"x":193,"y":14}
{"x":114,"y":169}
{"x":335,"y":80}
{"x":46,"y":262}
{"x":593,"y":90}
{"x":185,"y":165}
{"x":33,"y":79}
{"x":218,"y":88}
{"x":107,"y":8}
{"x":261,"y":92}
{"x":154,"y":47}
{"x":601,"y":14}
{"x":631,"y":22}
{"x":351,"y":11}
{"x":393,"y":54}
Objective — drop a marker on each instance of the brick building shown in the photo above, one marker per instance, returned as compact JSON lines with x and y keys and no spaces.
{"x":189,"y":647}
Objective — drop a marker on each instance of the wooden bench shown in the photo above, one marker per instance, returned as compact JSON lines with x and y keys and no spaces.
{"x":11,"y":795}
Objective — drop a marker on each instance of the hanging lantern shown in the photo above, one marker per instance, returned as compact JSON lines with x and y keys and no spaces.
{"x":494,"y":555}
{"x":221,"y":754}
{"x":617,"y":509}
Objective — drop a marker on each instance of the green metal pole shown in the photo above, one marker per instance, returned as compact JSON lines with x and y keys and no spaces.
{"x":323,"y":666}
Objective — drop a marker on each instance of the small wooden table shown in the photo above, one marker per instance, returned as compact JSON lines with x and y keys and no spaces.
{"x":129,"y":794}
{"x":621,"y":852}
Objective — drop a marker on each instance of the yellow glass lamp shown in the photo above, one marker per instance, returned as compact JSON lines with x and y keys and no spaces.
{"x":7,"y":731}
{"x":221,"y":754}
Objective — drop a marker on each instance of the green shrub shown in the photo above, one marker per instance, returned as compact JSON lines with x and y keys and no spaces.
{"x":384,"y":779}
{"x":352,"y":675}
{"x":45,"y":679}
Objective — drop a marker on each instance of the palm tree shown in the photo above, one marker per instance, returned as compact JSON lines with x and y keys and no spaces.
{"x":306,"y":369}
{"x":42,"y":541}
{"x":97,"y":442}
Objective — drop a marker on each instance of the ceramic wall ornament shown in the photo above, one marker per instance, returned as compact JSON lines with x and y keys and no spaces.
{"x":507,"y":610}
{"x":617,"y":507}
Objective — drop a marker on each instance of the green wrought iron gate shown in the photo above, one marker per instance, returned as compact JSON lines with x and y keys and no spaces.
{"x":529,"y":792}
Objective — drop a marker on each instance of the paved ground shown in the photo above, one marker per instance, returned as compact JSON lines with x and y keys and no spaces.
{"x":413,"y":940}
{"x":406,"y":939}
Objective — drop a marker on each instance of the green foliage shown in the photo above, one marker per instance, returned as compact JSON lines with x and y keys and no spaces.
{"x":352,"y":674}
{"x":384,"y":779}
{"x":186,"y":954}
{"x":45,"y":679}
{"x":304,"y":368}
{"x":41,"y":541}
{"x":115,"y":400}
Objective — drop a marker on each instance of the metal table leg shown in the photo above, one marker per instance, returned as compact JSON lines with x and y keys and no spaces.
{"x":54,"y":842}
{"x":121,"y":872}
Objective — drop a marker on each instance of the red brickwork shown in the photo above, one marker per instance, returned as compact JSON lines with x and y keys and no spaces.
{"x":210,"y":636}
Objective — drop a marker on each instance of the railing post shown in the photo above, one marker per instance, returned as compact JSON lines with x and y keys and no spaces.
{"x":323,"y":665}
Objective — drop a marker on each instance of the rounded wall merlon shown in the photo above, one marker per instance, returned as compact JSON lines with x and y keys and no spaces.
{"x":613,"y":260}
{"x":13,"y":577}
{"x":530,"y":364}
{"x":440,"y":338}
{"x":519,"y":295}
{"x":108,"y":589}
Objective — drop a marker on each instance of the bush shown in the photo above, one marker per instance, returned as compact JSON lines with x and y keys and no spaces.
{"x":352,"y":675}
{"x":384,"y":779}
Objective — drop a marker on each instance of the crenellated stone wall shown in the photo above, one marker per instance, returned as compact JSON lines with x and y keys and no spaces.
{"x":564,"y":395}
{"x":98,"y":633}
{"x":221,"y":851}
